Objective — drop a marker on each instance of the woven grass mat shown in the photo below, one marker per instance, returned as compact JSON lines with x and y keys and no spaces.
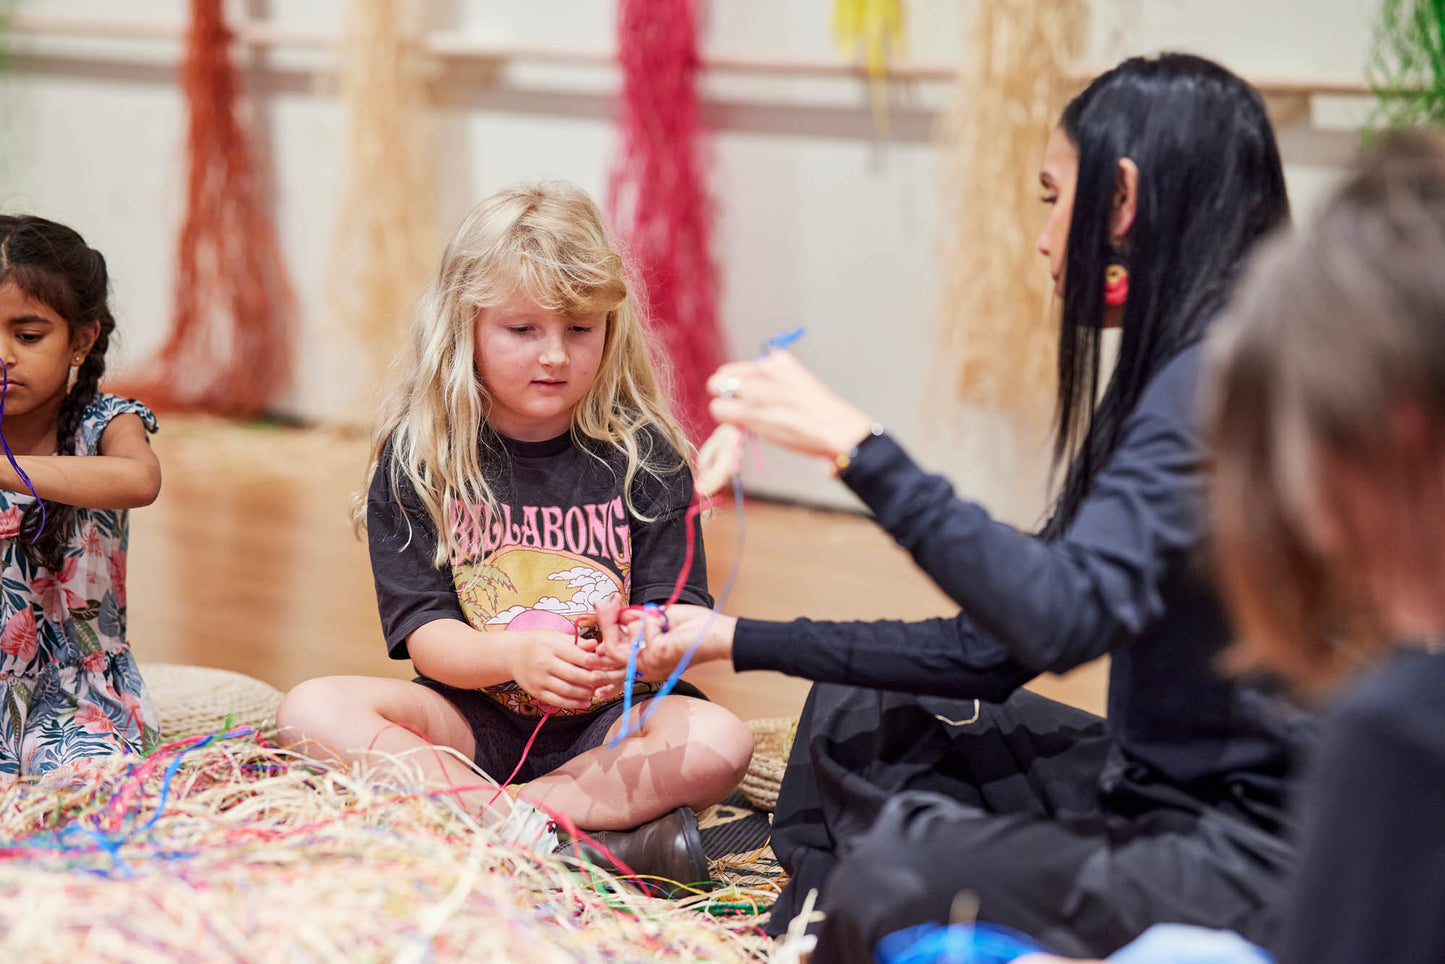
{"x":736,"y":837}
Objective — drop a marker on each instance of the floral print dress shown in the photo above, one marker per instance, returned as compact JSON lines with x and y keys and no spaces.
{"x":70,"y":687}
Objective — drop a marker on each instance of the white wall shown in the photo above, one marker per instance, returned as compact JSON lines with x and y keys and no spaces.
{"x":820,"y":224}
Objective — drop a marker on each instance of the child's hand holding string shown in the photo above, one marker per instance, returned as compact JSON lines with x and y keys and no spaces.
{"x":589,"y":637}
{"x":553,"y":668}
{"x":777,"y":399}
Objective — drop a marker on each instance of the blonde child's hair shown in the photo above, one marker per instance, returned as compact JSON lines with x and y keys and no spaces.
{"x":546,"y":241}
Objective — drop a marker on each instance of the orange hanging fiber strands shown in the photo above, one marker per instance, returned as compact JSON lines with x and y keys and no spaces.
{"x":229,"y":349}
{"x":659,"y":195}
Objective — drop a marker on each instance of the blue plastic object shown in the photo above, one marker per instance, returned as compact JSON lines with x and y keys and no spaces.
{"x":954,"y":944}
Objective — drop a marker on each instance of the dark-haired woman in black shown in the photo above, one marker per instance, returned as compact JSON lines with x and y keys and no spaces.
{"x":928,"y":773}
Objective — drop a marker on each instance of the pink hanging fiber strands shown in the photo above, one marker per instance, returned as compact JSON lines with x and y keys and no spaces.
{"x":658,"y":194}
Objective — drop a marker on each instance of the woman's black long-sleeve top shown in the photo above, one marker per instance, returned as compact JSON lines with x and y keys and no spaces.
{"x":1128,"y":578}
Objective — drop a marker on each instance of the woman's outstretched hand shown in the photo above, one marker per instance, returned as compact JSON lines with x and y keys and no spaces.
{"x":777,"y":399}
{"x":663,"y":650}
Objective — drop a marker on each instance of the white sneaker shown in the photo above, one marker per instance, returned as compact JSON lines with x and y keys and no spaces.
{"x":527,"y":826}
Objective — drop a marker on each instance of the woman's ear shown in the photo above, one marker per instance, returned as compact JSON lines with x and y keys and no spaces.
{"x":1126,"y":200}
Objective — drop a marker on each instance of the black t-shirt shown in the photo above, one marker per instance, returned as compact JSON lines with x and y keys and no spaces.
{"x":560,"y":541}
{"x":1373,"y":858}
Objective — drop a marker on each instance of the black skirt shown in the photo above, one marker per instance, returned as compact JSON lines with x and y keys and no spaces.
{"x":903,"y":809}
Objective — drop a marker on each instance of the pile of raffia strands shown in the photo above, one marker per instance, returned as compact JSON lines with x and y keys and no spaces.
{"x":224,"y":848}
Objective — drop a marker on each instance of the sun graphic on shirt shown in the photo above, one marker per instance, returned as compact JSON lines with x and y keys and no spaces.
{"x":521,"y":587}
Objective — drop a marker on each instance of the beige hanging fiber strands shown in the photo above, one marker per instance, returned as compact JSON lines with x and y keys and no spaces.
{"x":386,"y":237}
{"x":997,"y":331}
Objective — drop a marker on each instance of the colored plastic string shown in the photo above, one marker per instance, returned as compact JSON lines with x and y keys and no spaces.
{"x":501,"y":788}
{"x":668,"y":684}
{"x":577,"y":640}
{"x":648,"y":609}
{"x":780,"y":341}
{"x":682,"y":665}
{"x":783,"y":339}
{"x":77,"y":836}
{"x":4,"y":391}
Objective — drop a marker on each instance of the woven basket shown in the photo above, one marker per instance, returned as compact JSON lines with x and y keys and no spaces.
{"x":198,"y":699}
{"x":772,"y":742}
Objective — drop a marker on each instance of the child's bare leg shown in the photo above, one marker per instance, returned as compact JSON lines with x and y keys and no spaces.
{"x":363,"y":719}
{"x":691,"y":753}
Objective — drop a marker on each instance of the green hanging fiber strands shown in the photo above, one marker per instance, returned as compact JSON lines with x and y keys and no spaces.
{"x":1407,"y":63}
{"x":7,"y":11}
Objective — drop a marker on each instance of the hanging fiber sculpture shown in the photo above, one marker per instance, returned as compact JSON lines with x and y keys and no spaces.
{"x":1407,"y":63}
{"x":872,"y":29}
{"x":997,"y":334}
{"x":229,"y":348}
{"x":386,"y":243}
{"x":658,"y":194}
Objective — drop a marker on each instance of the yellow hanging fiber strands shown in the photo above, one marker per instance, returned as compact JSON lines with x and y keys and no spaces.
{"x":997,"y":334}
{"x":873,"y":28}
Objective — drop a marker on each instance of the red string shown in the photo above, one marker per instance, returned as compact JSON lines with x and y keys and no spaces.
{"x":698,"y":507}
{"x":525,"y":750}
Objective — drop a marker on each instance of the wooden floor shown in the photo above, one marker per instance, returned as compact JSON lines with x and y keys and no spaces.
{"x":248,"y":562}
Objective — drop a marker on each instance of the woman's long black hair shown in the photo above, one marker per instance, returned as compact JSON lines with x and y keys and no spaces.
{"x":1210,"y":185}
{"x":53,"y":265}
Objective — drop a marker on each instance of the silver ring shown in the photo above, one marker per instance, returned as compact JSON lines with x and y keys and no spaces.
{"x":728,"y":388}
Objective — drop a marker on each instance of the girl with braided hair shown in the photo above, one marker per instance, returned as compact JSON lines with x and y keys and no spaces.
{"x":77,"y":459}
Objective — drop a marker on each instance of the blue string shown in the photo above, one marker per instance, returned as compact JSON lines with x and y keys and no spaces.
{"x":79,"y":837}
{"x":780,"y":341}
{"x":648,"y":609}
{"x":176,"y":765}
{"x":783,"y":339}
{"x":655,"y":700}
{"x":4,"y":391}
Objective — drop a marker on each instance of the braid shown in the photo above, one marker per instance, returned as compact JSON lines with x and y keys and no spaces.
{"x":86,"y":387}
{"x":49,"y":549}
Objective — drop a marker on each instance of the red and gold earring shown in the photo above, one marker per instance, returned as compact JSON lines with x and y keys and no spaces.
{"x":1116,"y":278}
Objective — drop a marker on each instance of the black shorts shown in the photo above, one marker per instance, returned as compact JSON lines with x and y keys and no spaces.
{"x":501,"y":734}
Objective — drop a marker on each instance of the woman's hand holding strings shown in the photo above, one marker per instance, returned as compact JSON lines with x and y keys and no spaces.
{"x":662,"y":651}
{"x":776,"y":398}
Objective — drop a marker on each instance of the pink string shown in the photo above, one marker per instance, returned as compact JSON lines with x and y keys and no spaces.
{"x":525,"y":750}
